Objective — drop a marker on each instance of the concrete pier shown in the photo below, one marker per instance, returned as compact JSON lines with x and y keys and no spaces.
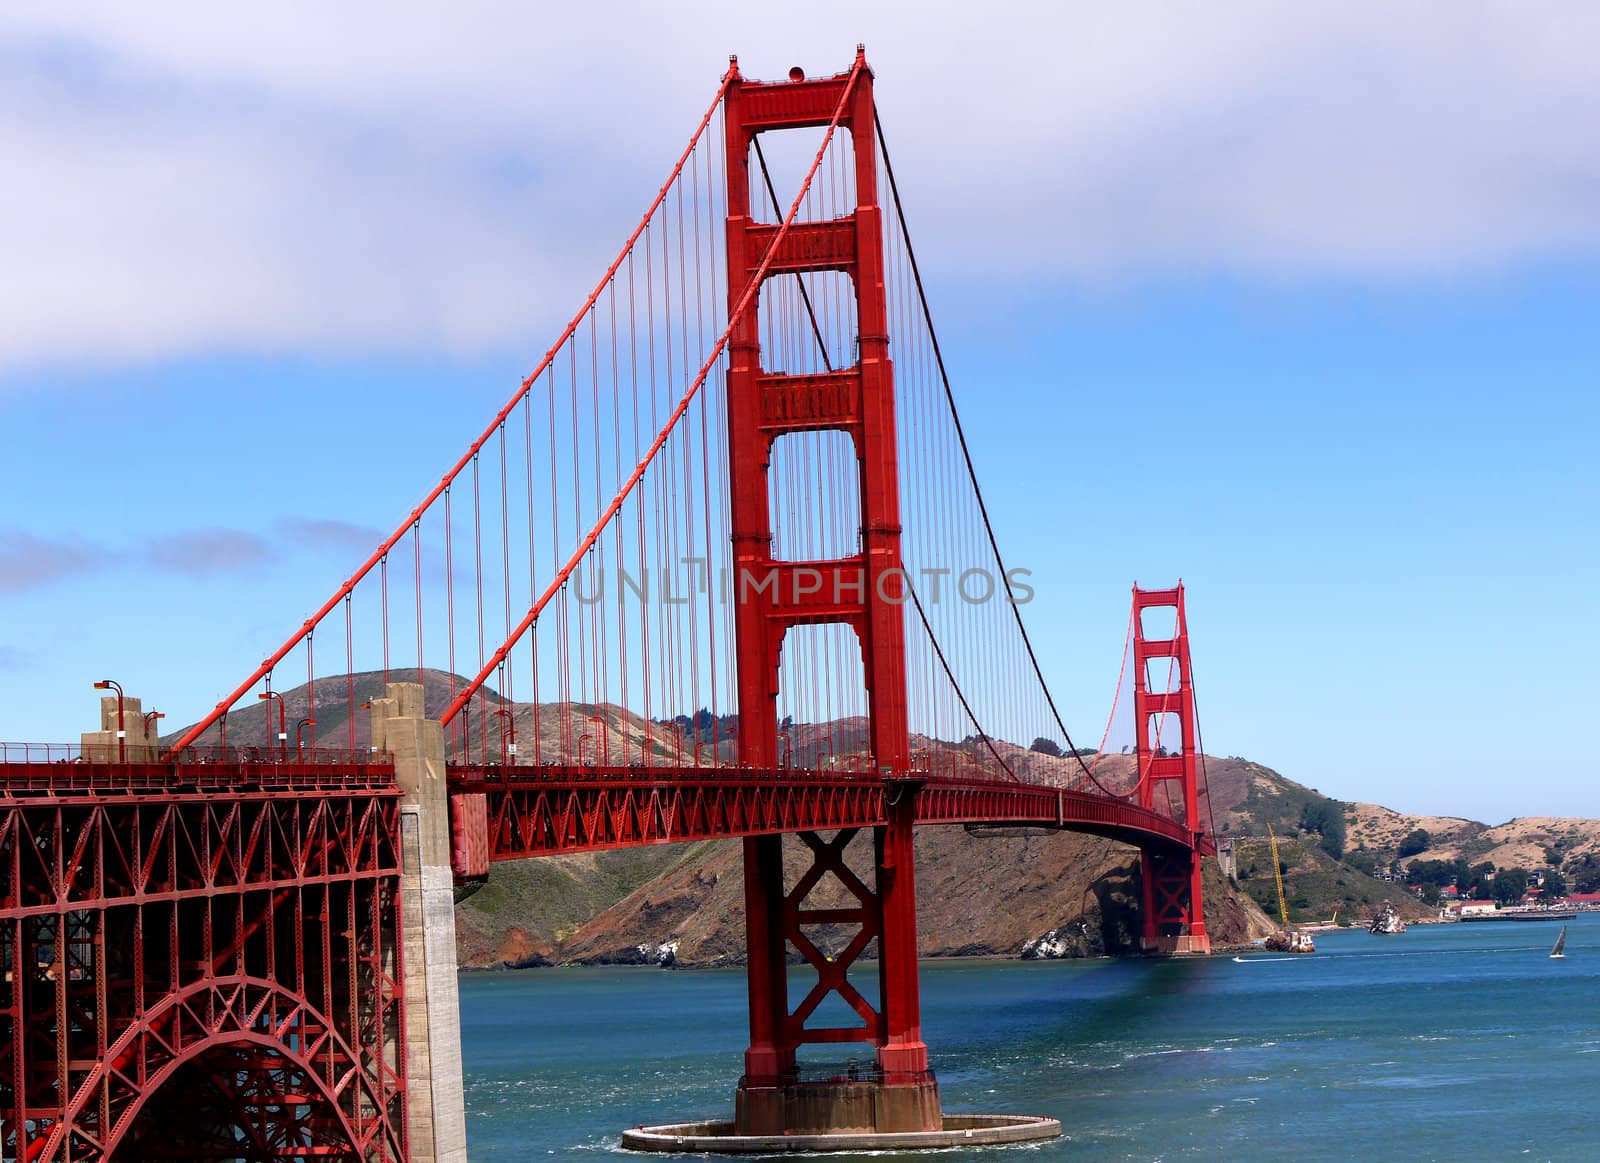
{"x":435,"y":1102}
{"x":716,"y":1138}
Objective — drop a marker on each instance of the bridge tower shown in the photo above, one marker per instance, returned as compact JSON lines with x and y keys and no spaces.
{"x":1174,"y":907}
{"x":863,"y":591}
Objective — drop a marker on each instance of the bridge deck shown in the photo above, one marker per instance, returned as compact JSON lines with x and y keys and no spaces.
{"x":543,"y":810}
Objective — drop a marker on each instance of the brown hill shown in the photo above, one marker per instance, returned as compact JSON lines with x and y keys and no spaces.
{"x":978,"y":893}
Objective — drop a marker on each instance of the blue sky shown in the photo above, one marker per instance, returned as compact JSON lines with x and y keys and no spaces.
{"x":1298,"y":307}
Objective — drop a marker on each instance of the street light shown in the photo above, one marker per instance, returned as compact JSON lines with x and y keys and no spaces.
{"x":149,"y":718}
{"x":582,"y":739}
{"x":508,"y":735}
{"x":107,"y":684}
{"x":283,"y":722}
{"x":299,"y":727}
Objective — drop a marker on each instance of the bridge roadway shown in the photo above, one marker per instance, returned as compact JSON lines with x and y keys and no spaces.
{"x":551,"y":809}
{"x":543,"y":811}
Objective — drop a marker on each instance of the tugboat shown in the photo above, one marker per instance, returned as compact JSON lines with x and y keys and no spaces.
{"x":1386,"y":921}
{"x":1291,"y":941}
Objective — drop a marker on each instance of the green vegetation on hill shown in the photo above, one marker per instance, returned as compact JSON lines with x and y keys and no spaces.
{"x":1315,"y":886}
{"x":1288,"y":807}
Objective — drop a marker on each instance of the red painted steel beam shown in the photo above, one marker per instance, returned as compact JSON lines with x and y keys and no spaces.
{"x":543,"y":811}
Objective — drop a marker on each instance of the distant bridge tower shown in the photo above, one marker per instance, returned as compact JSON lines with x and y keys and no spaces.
{"x":862,"y":591}
{"x":1174,"y":907}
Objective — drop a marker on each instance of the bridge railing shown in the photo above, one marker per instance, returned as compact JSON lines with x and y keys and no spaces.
{"x":192,"y":756}
{"x":61,"y":767}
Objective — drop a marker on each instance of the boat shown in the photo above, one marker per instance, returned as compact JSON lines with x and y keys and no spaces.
{"x":1290,"y":941}
{"x":1523,"y":913}
{"x":1561,"y":944}
{"x":1386,"y":921}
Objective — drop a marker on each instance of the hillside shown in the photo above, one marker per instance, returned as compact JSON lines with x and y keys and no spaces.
{"x":1524,"y":842}
{"x":1316,"y":887}
{"x":977,"y":895}
{"x":993,"y":893}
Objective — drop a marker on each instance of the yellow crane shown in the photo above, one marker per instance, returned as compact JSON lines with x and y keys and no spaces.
{"x":1277,"y":875}
{"x":1291,"y":940}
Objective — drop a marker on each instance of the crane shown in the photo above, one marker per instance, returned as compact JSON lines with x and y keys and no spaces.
{"x":1291,"y":940}
{"x":1277,"y":875}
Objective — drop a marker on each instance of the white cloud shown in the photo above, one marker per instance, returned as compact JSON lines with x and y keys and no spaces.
{"x":369,"y":177}
{"x":30,"y":563}
{"x":208,"y":551}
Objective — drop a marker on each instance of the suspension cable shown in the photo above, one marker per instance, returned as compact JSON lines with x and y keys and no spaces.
{"x":983,"y":509}
{"x":965,"y":706}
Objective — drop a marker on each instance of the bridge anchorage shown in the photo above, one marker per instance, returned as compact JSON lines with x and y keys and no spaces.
{"x":239,"y":944}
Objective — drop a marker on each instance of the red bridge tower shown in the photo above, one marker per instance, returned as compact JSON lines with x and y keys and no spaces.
{"x":1174,"y":908}
{"x":863,"y":591}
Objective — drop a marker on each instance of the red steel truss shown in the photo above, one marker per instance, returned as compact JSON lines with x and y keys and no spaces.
{"x":546,"y":811}
{"x":1174,"y":912}
{"x":198,"y":970}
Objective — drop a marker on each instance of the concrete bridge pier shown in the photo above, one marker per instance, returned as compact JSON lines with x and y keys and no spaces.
{"x":435,"y":1101}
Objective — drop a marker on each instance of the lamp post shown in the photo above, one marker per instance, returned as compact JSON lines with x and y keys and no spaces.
{"x":298,"y":728}
{"x":150,"y":718}
{"x":605,"y":743}
{"x":108,"y":684}
{"x":508,"y":735}
{"x":283,"y":722}
{"x":582,"y":739}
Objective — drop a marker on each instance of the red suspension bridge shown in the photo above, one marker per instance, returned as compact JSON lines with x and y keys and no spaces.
{"x":720,"y":568}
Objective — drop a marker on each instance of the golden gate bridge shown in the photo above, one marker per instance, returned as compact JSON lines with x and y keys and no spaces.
{"x":720,"y":568}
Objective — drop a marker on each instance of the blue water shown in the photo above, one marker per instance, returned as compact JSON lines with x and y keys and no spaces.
{"x":1448,"y":1042}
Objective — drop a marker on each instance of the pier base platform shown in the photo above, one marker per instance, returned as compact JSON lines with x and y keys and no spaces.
{"x":718,"y":1138}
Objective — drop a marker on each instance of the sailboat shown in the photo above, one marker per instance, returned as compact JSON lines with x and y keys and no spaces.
{"x":1561,"y":944}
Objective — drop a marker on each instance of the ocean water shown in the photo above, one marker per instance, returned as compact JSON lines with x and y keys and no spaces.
{"x":1447,"y":1042}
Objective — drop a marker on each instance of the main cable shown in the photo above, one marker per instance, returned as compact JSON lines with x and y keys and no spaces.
{"x":983,"y":509}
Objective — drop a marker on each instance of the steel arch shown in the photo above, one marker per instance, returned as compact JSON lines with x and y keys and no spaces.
{"x":229,"y":1025}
